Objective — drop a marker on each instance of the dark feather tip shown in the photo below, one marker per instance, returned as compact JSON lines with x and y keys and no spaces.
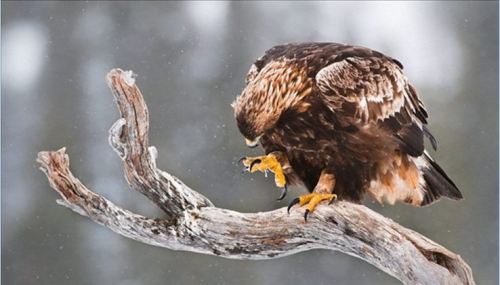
{"x":431,"y":138}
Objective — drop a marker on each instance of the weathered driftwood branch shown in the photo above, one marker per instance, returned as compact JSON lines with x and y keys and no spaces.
{"x":194,"y":224}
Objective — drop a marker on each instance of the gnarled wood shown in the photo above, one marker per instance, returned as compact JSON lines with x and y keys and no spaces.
{"x":194,"y":224}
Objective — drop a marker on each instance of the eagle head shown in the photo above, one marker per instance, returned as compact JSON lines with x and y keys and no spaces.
{"x":269,"y":93}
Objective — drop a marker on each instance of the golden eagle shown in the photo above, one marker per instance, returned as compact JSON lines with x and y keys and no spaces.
{"x":343,"y":121}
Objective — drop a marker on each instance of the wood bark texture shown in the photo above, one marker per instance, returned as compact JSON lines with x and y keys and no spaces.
{"x":193,"y":223}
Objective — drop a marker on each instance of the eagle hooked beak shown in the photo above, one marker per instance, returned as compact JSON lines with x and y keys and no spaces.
{"x":252,"y":143}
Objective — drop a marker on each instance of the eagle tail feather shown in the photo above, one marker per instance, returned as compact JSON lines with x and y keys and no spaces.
{"x":437,"y":183}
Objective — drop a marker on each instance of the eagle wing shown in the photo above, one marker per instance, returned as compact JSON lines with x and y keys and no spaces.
{"x":374,"y":90}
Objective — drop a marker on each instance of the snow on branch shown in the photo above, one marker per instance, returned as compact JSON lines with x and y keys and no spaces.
{"x":194,"y":224}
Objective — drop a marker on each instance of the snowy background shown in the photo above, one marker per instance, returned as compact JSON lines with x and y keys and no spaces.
{"x":191,"y":59}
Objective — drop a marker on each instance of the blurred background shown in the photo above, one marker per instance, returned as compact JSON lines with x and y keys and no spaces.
{"x":191,"y":59}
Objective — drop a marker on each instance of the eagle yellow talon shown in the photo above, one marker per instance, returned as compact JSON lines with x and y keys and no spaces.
{"x":266,"y":163}
{"x":312,"y":200}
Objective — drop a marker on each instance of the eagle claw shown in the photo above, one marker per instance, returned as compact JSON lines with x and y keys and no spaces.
{"x":258,"y":160}
{"x":264,"y":164}
{"x":312,"y":200}
{"x":284,"y":190}
{"x":306,"y":214}
{"x":294,"y":201}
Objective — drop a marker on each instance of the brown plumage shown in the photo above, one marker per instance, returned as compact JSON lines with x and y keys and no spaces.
{"x":346,"y":110}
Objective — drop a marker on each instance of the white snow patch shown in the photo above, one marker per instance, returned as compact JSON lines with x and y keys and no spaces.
{"x":411,"y":32}
{"x":23,"y":54}
{"x":207,"y":16}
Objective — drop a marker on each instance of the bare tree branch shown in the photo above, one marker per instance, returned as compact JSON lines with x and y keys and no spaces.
{"x":194,"y":224}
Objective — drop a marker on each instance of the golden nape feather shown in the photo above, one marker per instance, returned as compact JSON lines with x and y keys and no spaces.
{"x":343,"y":121}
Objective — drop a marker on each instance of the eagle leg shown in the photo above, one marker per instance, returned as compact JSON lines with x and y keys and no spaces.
{"x":270,"y":162}
{"x":323,"y":191}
